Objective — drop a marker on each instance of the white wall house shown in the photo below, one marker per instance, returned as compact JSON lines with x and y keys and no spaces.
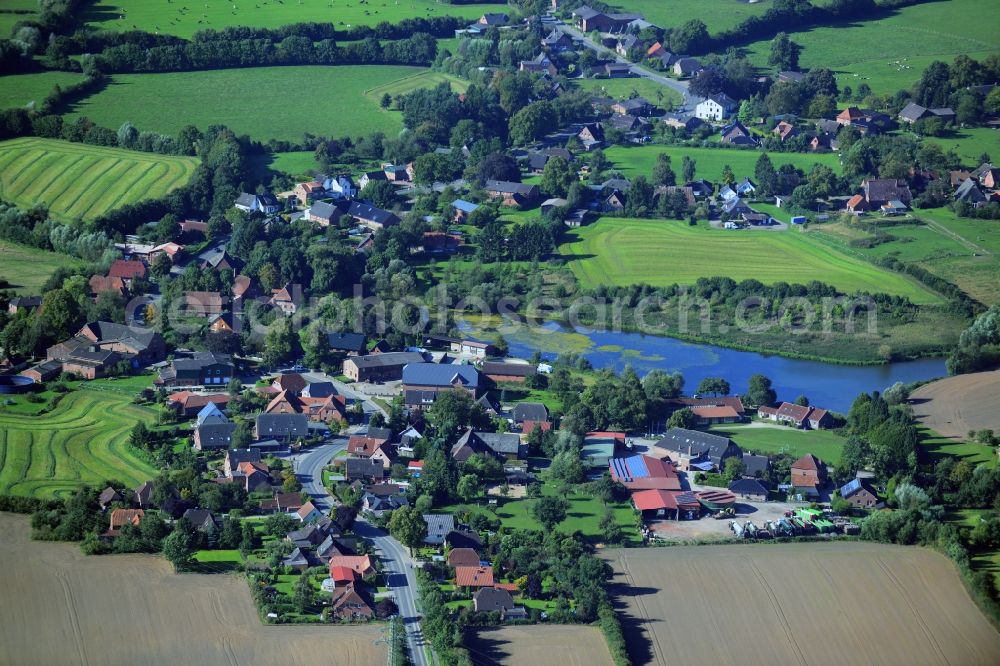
{"x":715,"y":107}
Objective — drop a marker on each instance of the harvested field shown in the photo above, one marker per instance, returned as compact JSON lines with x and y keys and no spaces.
{"x":61,"y":607}
{"x":953,"y":406}
{"x":540,"y":645}
{"x":808,"y":603}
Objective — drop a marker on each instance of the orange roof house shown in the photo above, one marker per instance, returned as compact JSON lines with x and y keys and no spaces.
{"x":122,"y":517}
{"x":360,"y":564}
{"x":474,"y":576}
{"x":342,"y":574}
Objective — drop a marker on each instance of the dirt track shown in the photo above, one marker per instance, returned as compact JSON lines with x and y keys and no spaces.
{"x":541,"y":645}
{"x":805,"y":604}
{"x":954,"y":405}
{"x":60,"y":607}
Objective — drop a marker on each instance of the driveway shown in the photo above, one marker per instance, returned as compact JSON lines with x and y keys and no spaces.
{"x":689,"y":102}
{"x":397,"y":564}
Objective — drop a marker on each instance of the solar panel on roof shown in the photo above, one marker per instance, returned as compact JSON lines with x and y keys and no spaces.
{"x":636,"y":467}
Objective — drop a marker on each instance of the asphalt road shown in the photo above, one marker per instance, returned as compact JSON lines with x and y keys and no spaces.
{"x":680,"y":86}
{"x":396,"y":562}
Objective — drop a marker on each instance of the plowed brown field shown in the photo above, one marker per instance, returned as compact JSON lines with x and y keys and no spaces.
{"x":808,"y":604}
{"x":540,"y":645}
{"x":59,"y":607}
{"x":955,"y":405}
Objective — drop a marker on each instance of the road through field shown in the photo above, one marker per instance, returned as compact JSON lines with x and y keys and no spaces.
{"x":61,"y":607}
{"x":808,"y":604}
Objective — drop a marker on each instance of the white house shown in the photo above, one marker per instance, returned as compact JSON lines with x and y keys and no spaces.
{"x":340,"y":187}
{"x":715,"y":107}
{"x":257,"y":203}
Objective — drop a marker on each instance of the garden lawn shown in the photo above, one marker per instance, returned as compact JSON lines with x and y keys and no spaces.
{"x":623,"y":89}
{"x":77,"y":180}
{"x":709,"y":162}
{"x":287,"y":102}
{"x":17,"y":90}
{"x":824,"y":444}
{"x":890,"y":53}
{"x":300,"y":164}
{"x":84,"y":440}
{"x":623,"y":251}
{"x":584,"y":515}
{"x":717,"y":15}
{"x":25,"y":269}
{"x":184,"y":20}
{"x":217,"y":561}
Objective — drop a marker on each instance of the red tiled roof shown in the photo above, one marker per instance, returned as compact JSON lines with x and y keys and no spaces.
{"x":510,"y":587}
{"x":617,"y":436}
{"x":127,"y":269}
{"x":808,"y":461}
{"x":360,"y":564}
{"x":529,"y":426}
{"x":715,"y":412}
{"x":363,"y":445}
{"x":474,"y":576}
{"x":341,"y":574}
{"x":463,"y":557}
{"x":650,"y":500}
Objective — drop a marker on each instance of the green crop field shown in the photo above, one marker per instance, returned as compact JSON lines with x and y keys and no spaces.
{"x":622,"y":251}
{"x":623,"y":89}
{"x":639,"y":160}
{"x":22,"y":89}
{"x":411,"y":83}
{"x":83,"y":440}
{"x":716,"y":14}
{"x":762,"y":438}
{"x":264,"y":102}
{"x":183,"y":20}
{"x":890,"y":53}
{"x":25,"y":269}
{"x":76,"y":180}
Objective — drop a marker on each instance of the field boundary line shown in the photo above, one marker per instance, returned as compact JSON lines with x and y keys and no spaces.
{"x":955,"y":236}
{"x":73,"y":617}
{"x":773,"y":598}
{"x":891,"y":577}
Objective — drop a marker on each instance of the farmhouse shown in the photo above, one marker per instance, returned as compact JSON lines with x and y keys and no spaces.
{"x":499,"y":372}
{"x":751,"y":489}
{"x":718,"y":106}
{"x":698,"y":450}
{"x":676,"y":504}
{"x":432,"y":377}
{"x":306,"y":193}
{"x":913,"y":112}
{"x":802,"y":417}
{"x":380,"y":367}
{"x":860,"y":495}
{"x":122,"y":517}
{"x":90,"y":363}
{"x":140,"y":346}
{"x":808,"y":475}
{"x":641,"y":472}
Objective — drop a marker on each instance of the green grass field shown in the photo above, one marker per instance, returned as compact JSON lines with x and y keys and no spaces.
{"x":623,"y":89}
{"x":823,"y":444}
{"x":8,"y":18}
{"x":716,"y":14}
{"x":963,"y":251}
{"x":890,"y":53}
{"x":83,"y":440}
{"x":76,"y":180}
{"x":639,"y":160}
{"x":298,"y":163}
{"x":970,"y":143}
{"x":410,"y":83}
{"x":26,"y":268}
{"x":622,"y":251}
{"x":934,"y":447}
{"x":264,"y":102}
{"x":18,"y":90}
{"x":584,"y":515}
{"x":184,"y":20}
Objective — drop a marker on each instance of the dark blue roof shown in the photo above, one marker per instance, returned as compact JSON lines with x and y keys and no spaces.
{"x":351,"y":341}
{"x":630,"y":468}
{"x":850,"y":488}
{"x":434,"y":374}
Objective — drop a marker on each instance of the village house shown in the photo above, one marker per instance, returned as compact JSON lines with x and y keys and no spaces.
{"x":25,"y":304}
{"x":364,"y":469}
{"x":860,"y":494}
{"x":323,"y":213}
{"x":140,"y":346}
{"x":692,"y":449}
{"x":686,"y":67}
{"x":463,"y":557}
{"x":736,"y":134}
{"x":625,"y":44}
{"x":636,"y":106}
{"x":370,"y":216}
{"x":808,"y":475}
{"x":382,"y":367}
{"x":505,"y":446}
{"x":282,"y":503}
{"x":539,"y":64}
{"x":812,"y":418}
{"x":282,"y":427}
{"x":202,"y":520}
{"x":511,"y":194}
{"x":108,"y":497}
{"x":212,"y":430}
{"x":463,"y":209}
{"x":120,"y":518}
{"x":717,"y":106}
{"x":784,"y":131}
{"x":557,"y":41}
{"x":438,"y":527}
{"x":258,"y":203}
{"x":591,"y":136}
{"x":492,"y":600}
{"x":617,"y":70}
{"x":351,"y":602}
{"x":474,"y":577}
{"x":308,"y":192}
{"x":525,"y":412}
{"x":346,"y":343}
{"x":204,"y":303}
{"x":200,"y":368}
{"x":913,"y":112}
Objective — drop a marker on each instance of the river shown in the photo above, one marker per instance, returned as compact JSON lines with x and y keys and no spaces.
{"x":826,"y":385}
